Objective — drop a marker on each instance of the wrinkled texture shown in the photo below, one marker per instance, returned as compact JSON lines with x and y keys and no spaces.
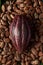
{"x":20,"y":32}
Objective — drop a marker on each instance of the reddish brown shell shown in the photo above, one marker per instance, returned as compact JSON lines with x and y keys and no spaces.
{"x":20,"y":32}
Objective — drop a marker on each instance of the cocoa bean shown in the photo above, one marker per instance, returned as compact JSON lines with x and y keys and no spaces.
{"x":6,"y":40}
{"x":26,"y":58}
{"x":14,"y":63}
{"x":22,"y":5}
{"x":37,"y":45}
{"x":7,"y":3}
{"x":41,"y":7}
{"x":41,"y":17}
{"x":3,"y":22}
{"x":26,"y":9}
{"x":35,"y":4}
{"x":10,"y":46}
{"x":38,"y":10}
{"x":22,"y":62}
{"x":40,"y":53}
{"x":36,"y":15}
{"x":27,"y":62}
{"x":1,"y":44}
{"x":3,"y":8}
{"x":23,"y":56}
{"x":0,"y":25}
{"x":34,"y":51}
{"x":8,"y":16}
{"x":41,"y":58}
{"x":3,"y":60}
{"x":32,"y":56}
{"x":17,"y":56}
{"x":40,"y":3}
{"x":0,"y":58}
{"x":9,"y":8}
{"x":7,"y":33}
{"x":19,"y":1}
{"x":2,"y":35}
{"x":10,"y":57}
{"x":3,"y":52}
{"x":35,"y":62}
{"x":12,"y":16}
{"x":4,"y":17}
{"x":8,"y":63}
